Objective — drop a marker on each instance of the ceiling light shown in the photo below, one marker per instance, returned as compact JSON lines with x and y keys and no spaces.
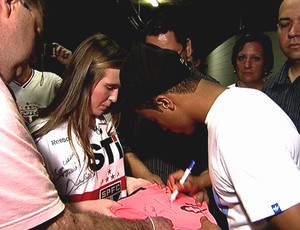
{"x":154,"y":3}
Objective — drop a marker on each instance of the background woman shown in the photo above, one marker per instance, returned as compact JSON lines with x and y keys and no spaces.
{"x":252,"y":59}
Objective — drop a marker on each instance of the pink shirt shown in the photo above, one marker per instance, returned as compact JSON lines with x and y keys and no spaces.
{"x":27,"y":196}
{"x":150,"y":200}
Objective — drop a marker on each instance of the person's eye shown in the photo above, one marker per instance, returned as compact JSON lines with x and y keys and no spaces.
{"x":256,"y":58}
{"x":284,"y":24}
{"x":241,"y":58}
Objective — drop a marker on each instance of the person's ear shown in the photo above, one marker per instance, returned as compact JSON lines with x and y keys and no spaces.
{"x":197,"y":63}
{"x":164,"y":103}
{"x":189,"y":49}
{"x":6,"y":7}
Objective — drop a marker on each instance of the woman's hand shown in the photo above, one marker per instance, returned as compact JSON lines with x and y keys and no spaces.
{"x":101,"y":206}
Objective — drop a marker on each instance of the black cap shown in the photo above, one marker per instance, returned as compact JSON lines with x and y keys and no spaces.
{"x":147,"y":71}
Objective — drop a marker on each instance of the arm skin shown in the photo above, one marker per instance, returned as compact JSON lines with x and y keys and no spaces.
{"x":74,"y":220}
{"x":100,"y":206}
{"x":139,"y":170}
{"x":288,"y":219}
{"x":207,"y":225}
{"x":203,"y":180}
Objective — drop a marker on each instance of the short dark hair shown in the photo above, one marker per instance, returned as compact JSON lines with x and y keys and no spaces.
{"x":148,"y":71}
{"x":263,"y":39}
{"x":161,"y":23}
{"x":188,"y":85}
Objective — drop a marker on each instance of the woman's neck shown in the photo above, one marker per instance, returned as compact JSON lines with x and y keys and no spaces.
{"x":254,"y":85}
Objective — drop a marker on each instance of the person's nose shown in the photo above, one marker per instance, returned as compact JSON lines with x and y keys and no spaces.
{"x":114,"y":96}
{"x":295,"y":29}
{"x":248,"y":63}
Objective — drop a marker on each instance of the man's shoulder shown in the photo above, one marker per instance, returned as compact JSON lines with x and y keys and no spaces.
{"x":270,"y":81}
{"x":278,"y":77}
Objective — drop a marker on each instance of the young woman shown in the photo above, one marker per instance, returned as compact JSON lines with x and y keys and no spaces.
{"x":76,"y":135}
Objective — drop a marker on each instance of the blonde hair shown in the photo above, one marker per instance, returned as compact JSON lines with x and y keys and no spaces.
{"x":87,"y":67}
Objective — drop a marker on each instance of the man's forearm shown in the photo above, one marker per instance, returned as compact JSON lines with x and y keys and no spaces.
{"x":72,"y":220}
{"x":137,"y":167}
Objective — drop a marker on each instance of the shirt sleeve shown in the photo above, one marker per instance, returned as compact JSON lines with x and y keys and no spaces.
{"x":27,"y":196}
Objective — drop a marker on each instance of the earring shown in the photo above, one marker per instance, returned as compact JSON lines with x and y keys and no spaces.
{"x":266,"y":71}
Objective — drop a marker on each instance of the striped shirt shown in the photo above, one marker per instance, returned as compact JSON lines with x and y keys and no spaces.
{"x":285,"y":93}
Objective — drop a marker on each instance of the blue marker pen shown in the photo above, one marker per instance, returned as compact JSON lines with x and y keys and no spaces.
{"x":183,"y":179}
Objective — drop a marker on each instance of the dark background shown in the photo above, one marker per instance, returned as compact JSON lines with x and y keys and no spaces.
{"x":210,"y":22}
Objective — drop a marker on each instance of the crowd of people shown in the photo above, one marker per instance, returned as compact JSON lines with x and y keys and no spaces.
{"x":156,"y":150}
{"x":29,"y":199}
{"x":242,"y":155}
{"x":70,"y":144}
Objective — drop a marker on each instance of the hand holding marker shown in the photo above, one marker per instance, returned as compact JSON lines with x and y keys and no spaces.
{"x":183,"y":179}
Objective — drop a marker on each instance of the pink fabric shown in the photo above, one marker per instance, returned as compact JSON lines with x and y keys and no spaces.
{"x":153,"y":201}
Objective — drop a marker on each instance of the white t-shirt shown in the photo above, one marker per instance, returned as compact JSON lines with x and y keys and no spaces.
{"x":36,"y":93}
{"x":72,"y":179}
{"x":254,"y":157}
{"x":232,"y":85}
{"x":27,"y":195}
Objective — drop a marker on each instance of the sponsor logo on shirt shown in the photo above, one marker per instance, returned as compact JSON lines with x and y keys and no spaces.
{"x":59,"y":141}
{"x":111,"y":190}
